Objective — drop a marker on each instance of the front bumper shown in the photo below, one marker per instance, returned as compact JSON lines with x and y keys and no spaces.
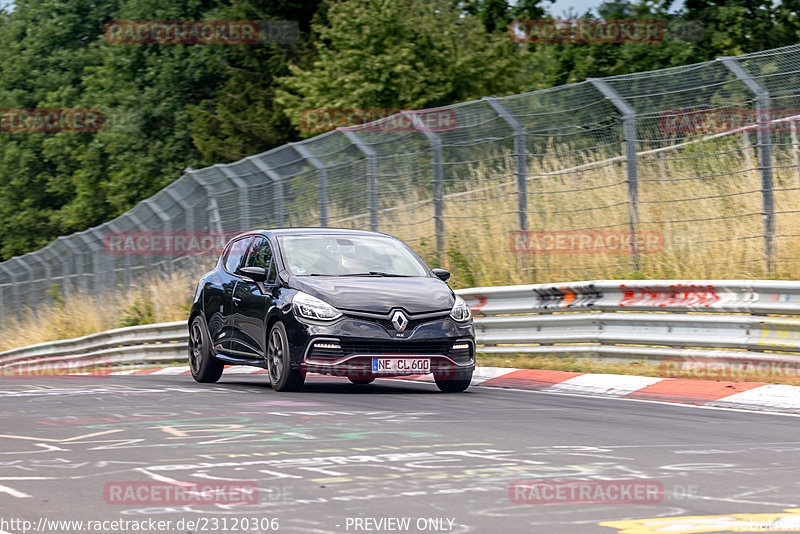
{"x":347,"y":346}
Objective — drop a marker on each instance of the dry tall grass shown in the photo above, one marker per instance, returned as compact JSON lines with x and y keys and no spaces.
{"x":164,"y":298}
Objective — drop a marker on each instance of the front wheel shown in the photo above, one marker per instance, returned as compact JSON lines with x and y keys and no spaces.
{"x":205,"y":367}
{"x":281,"y":375}
{"x":453,"y":382}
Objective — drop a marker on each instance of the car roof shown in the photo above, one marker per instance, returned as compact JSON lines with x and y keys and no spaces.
{"x":313,"y":231}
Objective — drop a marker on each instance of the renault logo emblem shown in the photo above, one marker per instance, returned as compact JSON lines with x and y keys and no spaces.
{"x":399,"y":320}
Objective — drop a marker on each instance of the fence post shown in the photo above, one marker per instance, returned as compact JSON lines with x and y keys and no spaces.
{"x":14,"y":286}
{"x":322,"y":180}
{"x":244,"y":201}
{"x":126,"y":258}
{"x":438,"y":179}
{"x":32,"y":296}
{"x":520,"y":157}
{"x":277,"y":190}
{"x":188,"y":213}
{"x":148,"y":261}
{"x":37,"y":257}
{"x":110,"y":281}
{"x":795,"y":160}
{"x":764,"y":137}
{"x":631,"y":159}
{"x":372,"y":175}
{"x":76,"y":256}
{"x":91,"y":244}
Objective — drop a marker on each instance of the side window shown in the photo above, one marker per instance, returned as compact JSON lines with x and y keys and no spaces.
{"x":260,"y":253}
{"x":235,"y":254}
{"x":272,"y":275}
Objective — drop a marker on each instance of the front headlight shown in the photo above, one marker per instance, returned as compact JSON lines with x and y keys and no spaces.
{"x":309,"y":307}
{"x":460,"y":311}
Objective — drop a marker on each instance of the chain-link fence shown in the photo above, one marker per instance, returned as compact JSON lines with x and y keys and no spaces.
{"x":687,"y":172}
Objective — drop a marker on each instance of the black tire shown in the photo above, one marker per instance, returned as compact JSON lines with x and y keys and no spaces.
{"x":450,"y":383}
{"x":205,"y":367}
{"x":281,"y":376}
{"x":361,"y":380}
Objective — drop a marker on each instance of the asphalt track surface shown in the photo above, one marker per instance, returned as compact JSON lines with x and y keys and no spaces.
{"x":393,"y":456}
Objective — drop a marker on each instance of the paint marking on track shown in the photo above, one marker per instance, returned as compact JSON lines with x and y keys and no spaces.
{"x":14,"y":493}
{"x":162,"y":478}
{"x":62,"y":440}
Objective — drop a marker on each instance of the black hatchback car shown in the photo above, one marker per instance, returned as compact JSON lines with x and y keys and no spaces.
{"x":344,"y":302}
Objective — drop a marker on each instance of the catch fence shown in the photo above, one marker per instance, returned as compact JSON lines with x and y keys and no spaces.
{"x":687,"y":172}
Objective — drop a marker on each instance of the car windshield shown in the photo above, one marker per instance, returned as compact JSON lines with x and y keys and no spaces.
{"x":351,"y":255}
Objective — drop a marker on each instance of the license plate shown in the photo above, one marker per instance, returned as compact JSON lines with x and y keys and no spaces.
{"x":411,"y":366}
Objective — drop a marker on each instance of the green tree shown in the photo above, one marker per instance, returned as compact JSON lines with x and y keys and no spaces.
{"x":408,"y":54}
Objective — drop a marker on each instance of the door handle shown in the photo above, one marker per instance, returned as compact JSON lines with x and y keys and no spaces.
{"x":236,"y":299}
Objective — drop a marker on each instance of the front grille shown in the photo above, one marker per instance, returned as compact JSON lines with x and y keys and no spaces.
{"x":394,"y":347}
{"x":387,"y":325}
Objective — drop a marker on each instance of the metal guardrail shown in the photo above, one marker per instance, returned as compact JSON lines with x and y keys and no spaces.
{"x":131,"y":346}
{"x":629,"y":319}
{"x":638,"y":319}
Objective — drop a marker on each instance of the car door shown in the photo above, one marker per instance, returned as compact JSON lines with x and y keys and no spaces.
{"x":252,"y":302}
{"x":222,"y":329}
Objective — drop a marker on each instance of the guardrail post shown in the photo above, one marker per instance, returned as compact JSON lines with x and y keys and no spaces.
{"x":764,"y":136}
{"x":631,"y":159}
{"x":322,"y":180}
{"x":438,"y":179}
{"x":278,"y":207}
{"x":372,"y":175}
{"x":520,"y":157}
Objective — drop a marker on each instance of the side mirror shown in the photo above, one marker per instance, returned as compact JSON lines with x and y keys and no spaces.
{"x":256,"y":274}
{"x":442,"y":274}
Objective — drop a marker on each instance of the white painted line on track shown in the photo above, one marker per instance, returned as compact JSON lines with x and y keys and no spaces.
{"x":14,"y":493}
